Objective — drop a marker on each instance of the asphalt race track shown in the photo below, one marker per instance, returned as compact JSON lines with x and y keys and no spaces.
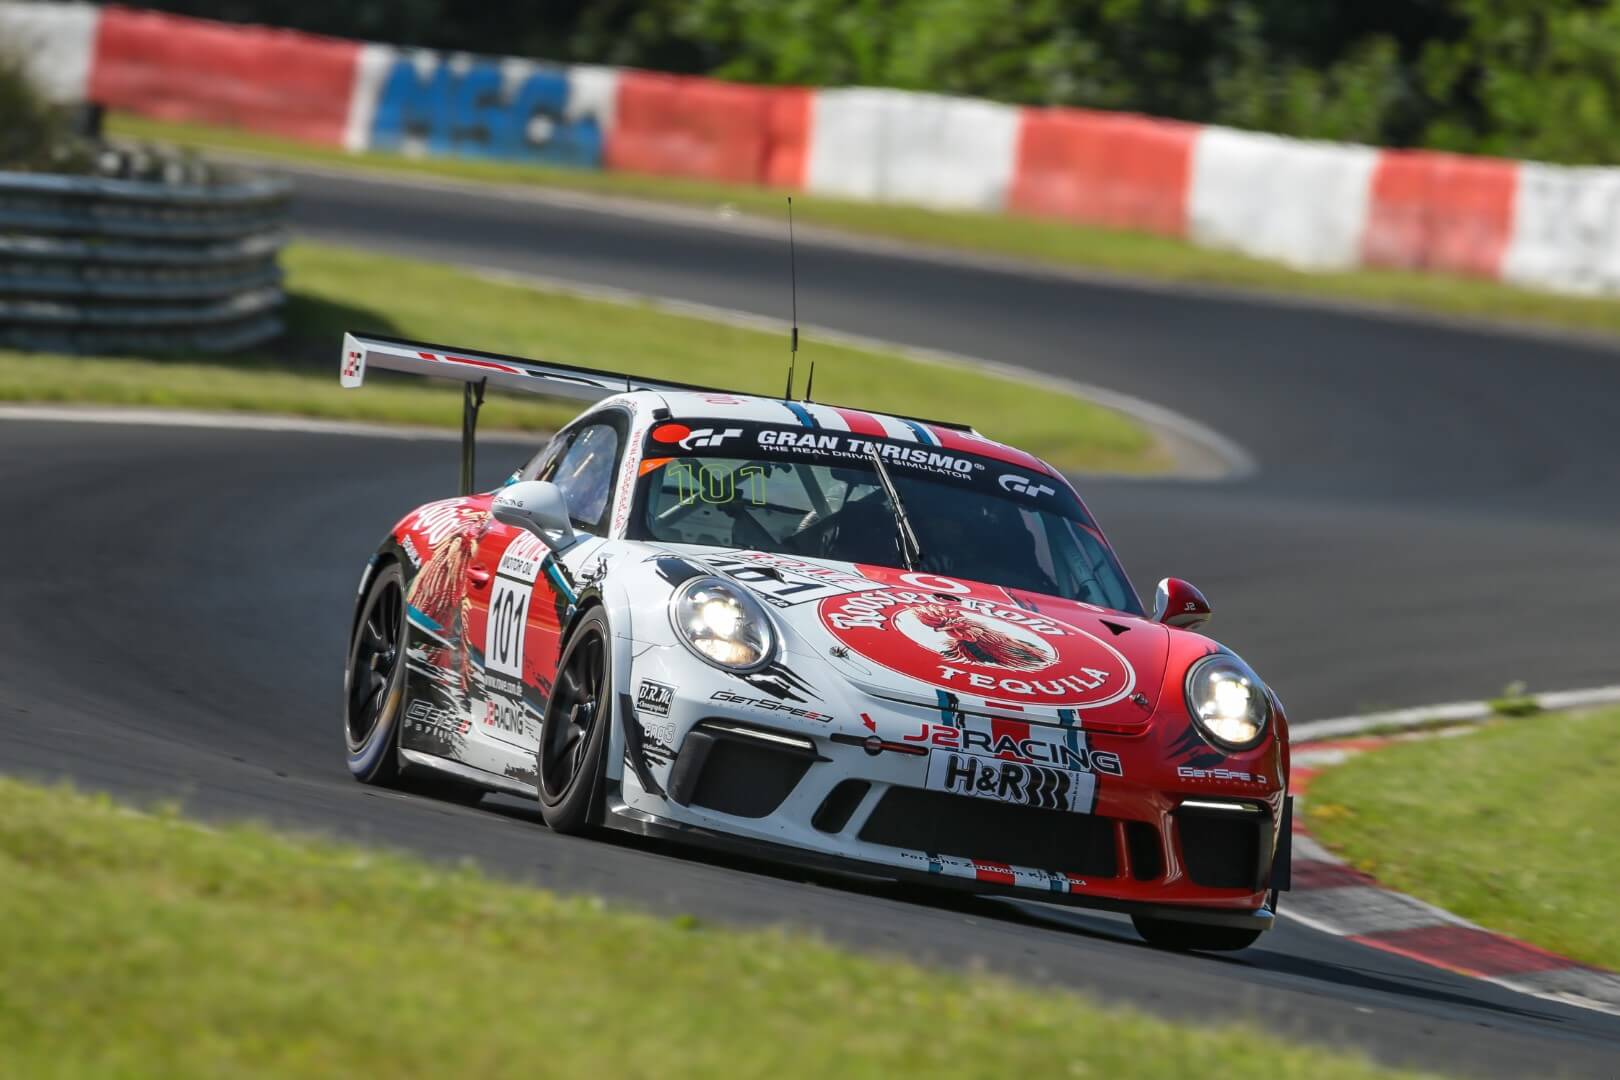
{"x":1435,"y":515}
{"x":1435,"y":512}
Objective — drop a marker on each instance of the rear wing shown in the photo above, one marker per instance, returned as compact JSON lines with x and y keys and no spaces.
{"x":476,"y":371}
{"x":363,"y":351}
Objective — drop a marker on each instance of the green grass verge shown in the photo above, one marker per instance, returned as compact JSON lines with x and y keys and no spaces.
{"x":1511,"y":827}
{"x":145,"y":946}
{"x":334,"y":289}
{"x":1039,"y":239}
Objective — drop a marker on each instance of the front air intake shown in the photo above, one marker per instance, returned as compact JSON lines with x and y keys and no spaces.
{"x":738,"y":770}
{"x":1224,"y":849}
{"x":1146,"y":851}
{"x":938,"y":823}
{"x":839,"y":805}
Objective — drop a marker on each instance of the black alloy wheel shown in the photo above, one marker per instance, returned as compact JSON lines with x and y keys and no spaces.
{"x":574,"y":734}
{"x":375,"y":680}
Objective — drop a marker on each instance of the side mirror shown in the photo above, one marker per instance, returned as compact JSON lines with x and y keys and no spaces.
{"x":539,"y":507}
{"x":1177,"y":603}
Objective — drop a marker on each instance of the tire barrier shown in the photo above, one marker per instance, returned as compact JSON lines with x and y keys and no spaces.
{"x":94,"y":265}
{"x":1312,"y":205}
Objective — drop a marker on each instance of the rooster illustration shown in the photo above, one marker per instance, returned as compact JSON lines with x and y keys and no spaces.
{"x":438,"y":593}
{"x":976,"y":642}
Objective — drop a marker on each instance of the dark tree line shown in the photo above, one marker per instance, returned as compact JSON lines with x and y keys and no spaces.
{"x":1524,"y":78}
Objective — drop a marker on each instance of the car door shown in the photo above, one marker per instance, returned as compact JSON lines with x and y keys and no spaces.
{"x":521,"y":592}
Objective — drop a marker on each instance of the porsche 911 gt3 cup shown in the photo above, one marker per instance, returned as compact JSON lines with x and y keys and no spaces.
{"x":817,"y":634}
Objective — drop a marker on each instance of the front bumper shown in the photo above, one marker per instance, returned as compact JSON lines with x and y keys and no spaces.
{"x":846,"y":788}
{"x":625,"y":819}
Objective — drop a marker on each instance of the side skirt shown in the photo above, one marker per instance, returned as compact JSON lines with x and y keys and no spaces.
{"x":415,"y":759}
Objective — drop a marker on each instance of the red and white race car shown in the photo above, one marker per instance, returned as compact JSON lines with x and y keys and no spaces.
{"x":817,"y":634}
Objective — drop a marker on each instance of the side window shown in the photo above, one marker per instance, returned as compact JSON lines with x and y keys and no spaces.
{"x":540,"y":466}
{"x":584,"y":472}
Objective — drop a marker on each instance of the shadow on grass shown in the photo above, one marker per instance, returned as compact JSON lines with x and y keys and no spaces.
{"x":315,"y":328}
{"x":310,"y":343}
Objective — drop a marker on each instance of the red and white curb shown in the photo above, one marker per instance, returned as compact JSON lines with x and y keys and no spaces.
{"x":1334,"y":897}
{"x":1457,"y":712}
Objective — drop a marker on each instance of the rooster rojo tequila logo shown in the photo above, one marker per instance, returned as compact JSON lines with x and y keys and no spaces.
{"x":978,"y":647}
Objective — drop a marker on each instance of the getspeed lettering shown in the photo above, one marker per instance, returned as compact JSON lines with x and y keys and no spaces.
{"x":424,"y":716}
{"x":766,"y":705}
{"x":1188,"y":772}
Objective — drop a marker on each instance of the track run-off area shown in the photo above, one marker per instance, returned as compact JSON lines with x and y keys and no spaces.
{"x":1433,"y":516}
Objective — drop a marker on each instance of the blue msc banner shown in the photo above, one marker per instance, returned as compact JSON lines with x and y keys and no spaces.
{"x":515,"y":110}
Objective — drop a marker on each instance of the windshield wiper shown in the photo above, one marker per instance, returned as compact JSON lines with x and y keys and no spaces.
{"x":910,"y":551}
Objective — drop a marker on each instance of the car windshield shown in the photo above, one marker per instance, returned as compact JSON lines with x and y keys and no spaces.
{"x":974,"y":517}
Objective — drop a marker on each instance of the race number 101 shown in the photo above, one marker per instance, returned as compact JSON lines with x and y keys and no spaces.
{"x":714,"y":486}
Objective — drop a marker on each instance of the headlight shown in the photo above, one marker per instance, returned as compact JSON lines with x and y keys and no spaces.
{"x":722,"y":624}
{"x":1228,"y":702}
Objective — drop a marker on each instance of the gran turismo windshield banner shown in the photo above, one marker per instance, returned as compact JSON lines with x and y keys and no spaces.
{"x":748,"y":441}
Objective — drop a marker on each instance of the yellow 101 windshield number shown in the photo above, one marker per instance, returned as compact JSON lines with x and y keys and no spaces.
{"x":701,"y":483}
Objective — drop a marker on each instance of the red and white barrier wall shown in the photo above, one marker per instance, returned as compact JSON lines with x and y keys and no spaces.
{"x":55,"y":43}
{"x":1313,"y":205}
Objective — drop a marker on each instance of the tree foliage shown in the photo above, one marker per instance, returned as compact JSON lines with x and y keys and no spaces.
{"x":33,"y":135}
{"x":1525,"y":78}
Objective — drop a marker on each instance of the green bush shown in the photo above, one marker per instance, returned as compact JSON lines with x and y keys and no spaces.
{"x":1527,"y":78}
{"x":1539,"y":78}
{"x":28,"y":127}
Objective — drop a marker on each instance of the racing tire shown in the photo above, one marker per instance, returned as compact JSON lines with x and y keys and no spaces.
{"x":374,"y":681}
{"x":574,"y":733}
{"x":1193,"y":937}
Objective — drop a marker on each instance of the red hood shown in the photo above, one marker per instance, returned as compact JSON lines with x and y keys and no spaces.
{"x":917,"y":637}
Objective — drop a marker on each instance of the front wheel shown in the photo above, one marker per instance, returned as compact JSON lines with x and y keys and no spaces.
{"x":1186,"y":936}
{"x":574,"y":735}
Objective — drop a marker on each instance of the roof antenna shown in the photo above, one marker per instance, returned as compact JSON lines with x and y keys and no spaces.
{"x":793,"y":277}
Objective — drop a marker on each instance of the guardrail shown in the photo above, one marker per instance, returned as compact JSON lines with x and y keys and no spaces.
{"x":98,"y":265}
